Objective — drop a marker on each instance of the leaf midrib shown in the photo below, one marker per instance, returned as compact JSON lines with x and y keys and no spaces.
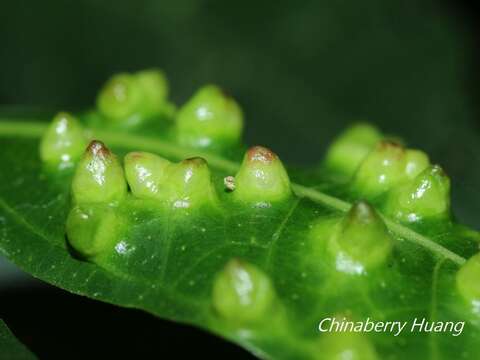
{"x":35,"y":129}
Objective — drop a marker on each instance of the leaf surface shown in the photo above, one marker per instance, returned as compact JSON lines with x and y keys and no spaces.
{"x":10,"y":347}
{"x":167,"y":261}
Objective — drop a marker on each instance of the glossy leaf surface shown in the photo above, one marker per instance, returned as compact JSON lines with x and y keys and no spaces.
{"x":253,"y":262}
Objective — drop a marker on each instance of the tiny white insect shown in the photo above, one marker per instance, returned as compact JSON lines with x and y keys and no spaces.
{"x":229,"y":183}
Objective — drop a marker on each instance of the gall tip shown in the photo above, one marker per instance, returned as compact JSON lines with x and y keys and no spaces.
{"x":394,"y":148}
{"x":362,"y":211}
{"x":97,"y":148}
{"x":261,"y":154}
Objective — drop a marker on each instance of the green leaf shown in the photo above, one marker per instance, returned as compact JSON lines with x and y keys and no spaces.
{"x":10,"y":347}
{"x":243,"y":248}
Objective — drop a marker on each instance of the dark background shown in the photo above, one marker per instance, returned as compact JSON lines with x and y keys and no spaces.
{"x":302,"y":71}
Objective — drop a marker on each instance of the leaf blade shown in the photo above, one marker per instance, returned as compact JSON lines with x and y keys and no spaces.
{"x":10,"y":347}
{"x":168,"y":302}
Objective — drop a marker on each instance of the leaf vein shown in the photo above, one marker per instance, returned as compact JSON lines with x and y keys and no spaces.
{"x":278,"y":232}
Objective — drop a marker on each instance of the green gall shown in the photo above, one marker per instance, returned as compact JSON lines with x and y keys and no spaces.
{"x":145,"y":174}
{"x":261,"y":179}
{"x":99,"y":176}
{"x":428,"y":195}
{"x":184,"y":185}
{"x":381,"y":169}
{"x":468,"y":283}
{"x":91,"y":229}
{"x":121,"y":99}
{"x":361,"y":241}
{"x":189,"y":184}
{"x":242,"y":293}
{"x":415,"y":162}
{"x":351,"y":147}
{"x":210,"y":117}
{"x":155,"y":87}
{"x":127,"y":99}
{"x":345,"y":345}
{"x":388,"y":165}
{"x":63,"y":142}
